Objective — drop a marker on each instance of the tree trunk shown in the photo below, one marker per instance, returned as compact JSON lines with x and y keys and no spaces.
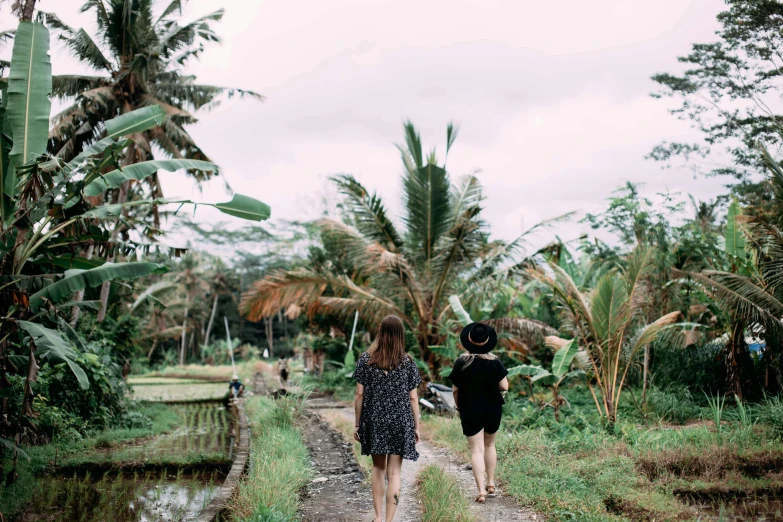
{"x":739,"y":365}
{"x":645,"y":372}
{"x":27,"y":11}
{"x":106,"y":287}
{"x":79,"y":296}
{"x":211,"y":319}
{"x":184,"y":333}
{"x":152,"y":350}
{"x":270,"y":341}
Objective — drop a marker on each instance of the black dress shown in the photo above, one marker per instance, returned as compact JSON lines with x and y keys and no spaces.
{"x":386,"y":426}
{"x":478,"y":396}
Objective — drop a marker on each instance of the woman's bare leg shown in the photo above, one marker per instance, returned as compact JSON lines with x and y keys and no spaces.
{"x":378,"y":481}
{"x":490,"y":457}
{"x":476,"y":443}
{"x":394,"y":476}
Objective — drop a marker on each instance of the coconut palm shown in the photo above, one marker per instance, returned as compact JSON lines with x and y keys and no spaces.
{"x":608,"y":323}
{"x":142,"y":59}
{"x":443,"y":249}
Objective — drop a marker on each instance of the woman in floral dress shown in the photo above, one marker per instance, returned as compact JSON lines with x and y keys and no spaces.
{"x":387,"y":412}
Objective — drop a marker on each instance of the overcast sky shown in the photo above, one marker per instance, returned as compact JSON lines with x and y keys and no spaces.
{"x":552,"y":98}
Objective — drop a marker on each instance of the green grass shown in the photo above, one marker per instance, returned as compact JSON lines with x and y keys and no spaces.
{"x":440,"y":497}
{"x":13,"y":497}
{"x":576,"y":470}
{"x":279,"y":465}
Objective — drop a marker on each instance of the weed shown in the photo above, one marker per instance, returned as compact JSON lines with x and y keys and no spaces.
{"x":440,"y":497}
{"x":717,"y":405}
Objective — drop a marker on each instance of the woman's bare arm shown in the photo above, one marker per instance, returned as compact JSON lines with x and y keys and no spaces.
{"x":454,"y":391}
{"x":503,"y":385}
{"x":358,"y":403}
{"x":414,"y":397}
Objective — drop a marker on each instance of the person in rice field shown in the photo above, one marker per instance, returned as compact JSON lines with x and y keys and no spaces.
{"x":282,"y":370}
{"x":236,"y":387}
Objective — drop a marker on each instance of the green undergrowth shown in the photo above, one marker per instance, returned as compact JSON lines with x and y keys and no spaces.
{"x":440,"y":497}
{"x":580,"y":470}
{"x":13,"y":497}
{"x":279,"y":463}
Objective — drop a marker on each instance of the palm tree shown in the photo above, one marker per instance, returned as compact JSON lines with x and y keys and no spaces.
{"x":443,"y":249}
{"x":749,"y":288}
{"x":143,"y":61}
{"x":191,"y":284}
{"x":607,"y":323}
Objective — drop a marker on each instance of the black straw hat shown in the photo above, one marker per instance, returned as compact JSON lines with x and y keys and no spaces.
{"x":478,"y":338}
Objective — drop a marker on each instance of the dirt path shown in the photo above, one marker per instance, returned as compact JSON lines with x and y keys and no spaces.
{"x":496,"y":509}
{"x":337,"y":493}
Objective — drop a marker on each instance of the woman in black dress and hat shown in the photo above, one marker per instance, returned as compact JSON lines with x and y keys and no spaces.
{"x":478,"y":378}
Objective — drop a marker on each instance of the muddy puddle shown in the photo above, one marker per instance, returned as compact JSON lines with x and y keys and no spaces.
{"x":761,"y":507}
{"x":139,"y":497}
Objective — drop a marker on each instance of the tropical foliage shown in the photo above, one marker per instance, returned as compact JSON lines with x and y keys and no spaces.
{"x":48,"y":220}
{"x":443,"y":249}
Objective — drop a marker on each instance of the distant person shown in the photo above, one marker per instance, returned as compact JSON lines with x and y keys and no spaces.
{"x":478,"y":378}
{"x":387,"y":412}
{"x":236,"y":387}
{"x":282,"y":370}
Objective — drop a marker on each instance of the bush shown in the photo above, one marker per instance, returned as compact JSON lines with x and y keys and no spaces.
{"x":674,"y":405}
{"x":699,"y":367}
{"x":102,"y":405}
{"x":770,"y":412}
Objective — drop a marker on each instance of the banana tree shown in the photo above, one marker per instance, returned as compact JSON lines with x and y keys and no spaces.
{"x":567,"y":352}
{"x":47,"y":219}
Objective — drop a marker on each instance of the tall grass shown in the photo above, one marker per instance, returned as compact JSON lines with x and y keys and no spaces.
{"x":717,"y":405}
{"x":770,"y":412}
{"x":440,"y":497}
{"x":279,"y":463}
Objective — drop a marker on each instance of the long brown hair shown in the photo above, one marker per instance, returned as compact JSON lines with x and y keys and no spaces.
{"x":388,"y":350}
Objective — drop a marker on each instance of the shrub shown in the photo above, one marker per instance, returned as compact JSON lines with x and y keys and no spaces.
{"x":770,"y":412}
{"x":672,"y":405}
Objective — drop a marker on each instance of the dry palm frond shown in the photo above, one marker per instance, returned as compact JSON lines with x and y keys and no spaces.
{"x":530,"y":331}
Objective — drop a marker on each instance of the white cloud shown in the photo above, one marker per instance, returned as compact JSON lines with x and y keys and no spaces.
{"x":552,"y":97}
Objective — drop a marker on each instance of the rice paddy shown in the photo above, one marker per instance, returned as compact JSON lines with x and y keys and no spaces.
{"x":160,"y":389}
{"x":122,"y":498}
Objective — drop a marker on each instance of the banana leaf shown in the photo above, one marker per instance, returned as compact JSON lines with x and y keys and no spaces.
{"x":462,"y":316}
{"x":76,"y":279}
{"x":52,"y":348}
{"x":735,"y":240}
{"x":135,"y":121}
{"x":29,"y":87}
{"x":97,"y":183}
{"x":526,"y":370}
{"x":563,"y":358}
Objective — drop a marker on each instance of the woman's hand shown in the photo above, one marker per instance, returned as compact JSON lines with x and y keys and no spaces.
{"x":356,"y":434}
{"x":418,"y":436}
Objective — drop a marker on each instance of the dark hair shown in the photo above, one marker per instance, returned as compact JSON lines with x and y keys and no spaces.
{"x":388,"y":350}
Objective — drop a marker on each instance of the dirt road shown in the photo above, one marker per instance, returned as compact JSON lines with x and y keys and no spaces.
{"x":350,"y":498}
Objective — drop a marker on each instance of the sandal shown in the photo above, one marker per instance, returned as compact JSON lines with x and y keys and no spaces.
{"x":490,"y":490}
{"x":481,"y":498}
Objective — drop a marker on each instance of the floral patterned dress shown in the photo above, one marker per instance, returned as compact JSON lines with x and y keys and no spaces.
{"x":386,"y":426}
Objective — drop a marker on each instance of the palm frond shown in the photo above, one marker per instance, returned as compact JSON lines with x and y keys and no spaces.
{"x":69,"y":85}
{"x":83,"y":47}
{"x":302,"y":287}
{"x":741,"y":297}
{"x":428,"y":205}
{"x":530,"y":331}
{"x":369,"y":213}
